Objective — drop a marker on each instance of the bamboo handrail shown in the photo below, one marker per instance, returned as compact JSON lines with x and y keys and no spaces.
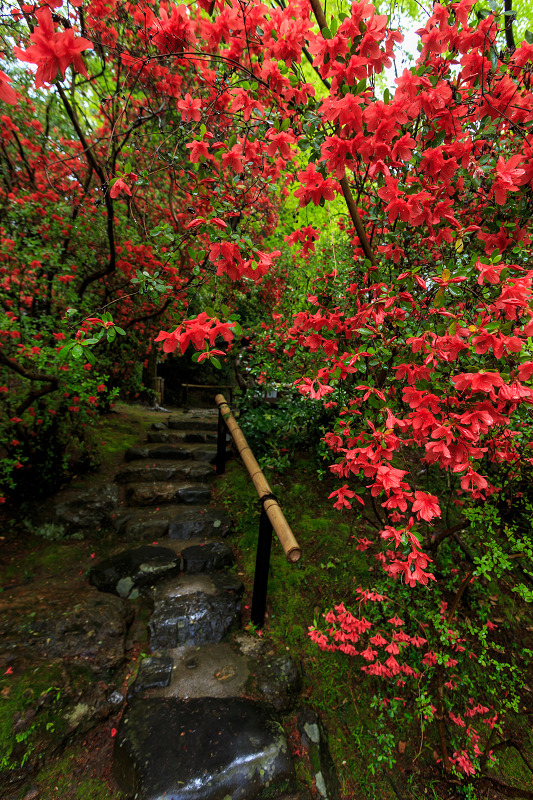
{"x":290,"y":546}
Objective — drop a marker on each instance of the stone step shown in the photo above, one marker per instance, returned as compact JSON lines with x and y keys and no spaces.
{"x":222,"y":669}
{"x":127,"y":572}
{"x":177,"y":522}
{"x":203,"y":748}
{"x":177,"y":452}
{"x":143,"y":471}
{"x":201,"y":420}
{"x":155,"y":494}
{"x":186,"y":437}
{"x":193,"y":610}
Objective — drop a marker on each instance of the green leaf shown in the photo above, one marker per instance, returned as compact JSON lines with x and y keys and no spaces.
{"x":121,"y":331}
{"x":215,"y":362}
{"x":210,"y":312}
{"x":326,"y":33}
{"x":285,"y":124}
{"x":111,"y":335}
{"x":77,"y":351}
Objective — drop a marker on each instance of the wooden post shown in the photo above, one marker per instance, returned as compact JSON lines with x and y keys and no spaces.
{"x":262,"y":566}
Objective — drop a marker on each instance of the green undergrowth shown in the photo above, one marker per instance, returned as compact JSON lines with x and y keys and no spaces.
{"x":120,"y":429}
{"x":69,"y":778}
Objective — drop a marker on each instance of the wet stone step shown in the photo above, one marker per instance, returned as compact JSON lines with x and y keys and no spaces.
{"x":190,"y":522}
{"x":155,"y":672}
{"x":208,"y":557}
{"x":155,"y":494}
{"x":187,"y":437}
{"x":142,"y":471}
{"x":127,"y":572}
{"x":196,"y":424}
{"x":177,"y":522}
{"x":194,"y":609}
{"x":175,"y":452}
{"x":209,"y":670}
{"x":200,"y":749}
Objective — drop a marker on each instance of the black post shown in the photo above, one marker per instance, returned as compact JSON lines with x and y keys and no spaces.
{"x":262,"y":565}
{"x":221,"y":445}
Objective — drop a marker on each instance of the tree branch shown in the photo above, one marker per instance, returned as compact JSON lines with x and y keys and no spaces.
{"x":91,"y":159}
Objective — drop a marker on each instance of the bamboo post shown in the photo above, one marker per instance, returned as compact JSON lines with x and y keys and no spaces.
{"x":290,"y":546}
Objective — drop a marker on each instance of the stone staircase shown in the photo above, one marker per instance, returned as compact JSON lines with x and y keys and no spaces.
{"x":189,"y":730}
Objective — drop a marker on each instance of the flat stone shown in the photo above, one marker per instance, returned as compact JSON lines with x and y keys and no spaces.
{"x":194,"y":609}
{"x":207,"y":557}
{"x":193,"y":423}
{"x":189,"y":522}
{"x":91,"y":509}
{"x":164,"y":451}
{"x":126,"y":572}
{"x":148,"y":523}
{"x":154,"y":494}
{"x":210,"y":670}
{"x":159,"y":426}
{"x":155,"y":672}
{"x":204,"y":453}
{"x":150,"y":471}
{"x":184,"y":437}
{"x":200,"y":749}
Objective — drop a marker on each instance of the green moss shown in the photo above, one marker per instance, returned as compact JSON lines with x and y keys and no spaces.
{"x":59,"y":779}
{"x":31,"y":703}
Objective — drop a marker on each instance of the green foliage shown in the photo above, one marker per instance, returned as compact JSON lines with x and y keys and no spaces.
{"x":277,"y":431}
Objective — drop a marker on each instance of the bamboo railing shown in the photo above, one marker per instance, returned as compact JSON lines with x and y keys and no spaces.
{"x":272,"y":517}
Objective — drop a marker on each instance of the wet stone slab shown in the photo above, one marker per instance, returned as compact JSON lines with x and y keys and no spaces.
{"x":200,"y":749}
{"x":194,"y":609}
{"x":187,"y":437}
{"x":196,"y":423}
{"x":155,"y":494}
{"x":143,"y":471}
{"x":155,"y":672}
{"x":209,"y":670}
{"x":190,"y":522}
{"x":207,"y":557}
{"x":125,"y":573}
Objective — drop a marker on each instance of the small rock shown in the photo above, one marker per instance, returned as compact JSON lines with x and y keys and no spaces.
{"x":279,"y":681}
{"x":154,"y":672}
{"x":315,"y":740}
